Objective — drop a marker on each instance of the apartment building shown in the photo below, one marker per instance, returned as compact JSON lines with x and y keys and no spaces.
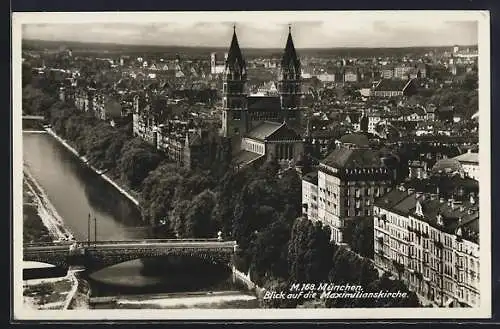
{"x":348,"y":182}
{"x":430,"y":243}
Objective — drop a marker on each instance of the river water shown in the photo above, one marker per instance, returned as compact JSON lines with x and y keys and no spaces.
{"x":76,"y":191}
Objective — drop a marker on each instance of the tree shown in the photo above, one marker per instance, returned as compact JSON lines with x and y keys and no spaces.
{"x":136,"y":162}
{"x":278,"y":286}
{"x":26,"y":74}
{"x":471,"y":81}
{"x":269,"y":169}
{"x":290,"y":190}
{"x":270,"y":253}
{"x":157,"y":195}
{"x":192,"y":184}
{"x":309,"y":252}
{"x":177,"y":217}
{"x":35,"y":101}
{"x":199,"y":223}
{"x":359,"y":236}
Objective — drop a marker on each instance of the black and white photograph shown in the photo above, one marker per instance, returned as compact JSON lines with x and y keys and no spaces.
{"x":251,"y":165}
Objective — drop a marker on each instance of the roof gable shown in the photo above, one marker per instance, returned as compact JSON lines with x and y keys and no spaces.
{"x":284,"y":132}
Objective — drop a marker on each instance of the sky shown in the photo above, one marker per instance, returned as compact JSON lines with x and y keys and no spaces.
{"x":266,"y":30}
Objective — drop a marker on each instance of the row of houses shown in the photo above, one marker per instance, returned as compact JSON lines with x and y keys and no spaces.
{"x":104,"y":104}
{"x":188,"y":143}
{"x":430,"y":244}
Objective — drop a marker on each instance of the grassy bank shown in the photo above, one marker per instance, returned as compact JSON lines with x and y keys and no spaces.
{"x":33,"y":228}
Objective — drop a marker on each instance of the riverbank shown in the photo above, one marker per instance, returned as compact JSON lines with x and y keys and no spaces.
{"x":50,"y":293}
{"x":97,"y":171}
{"x":45,"y":209}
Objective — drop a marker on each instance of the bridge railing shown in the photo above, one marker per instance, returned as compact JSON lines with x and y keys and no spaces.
{"x":144,"y":242}
{"x":151,"y":241}
{"x":124,"y":242}
{"x":48,"y":244}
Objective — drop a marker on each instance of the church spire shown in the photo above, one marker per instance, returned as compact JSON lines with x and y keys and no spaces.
{"x":235,"y":62}
{"x":290,"y":59}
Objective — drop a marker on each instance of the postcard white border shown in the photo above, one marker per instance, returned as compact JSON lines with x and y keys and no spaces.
{"x":484,"y":311}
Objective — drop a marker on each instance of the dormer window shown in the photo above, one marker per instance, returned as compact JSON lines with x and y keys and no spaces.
{"x":418,"y":209}
{"x":439,"y":219}
{"x":459,"y":231}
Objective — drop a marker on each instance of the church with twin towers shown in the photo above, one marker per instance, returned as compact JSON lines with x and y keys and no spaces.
{"x":262,"y":128}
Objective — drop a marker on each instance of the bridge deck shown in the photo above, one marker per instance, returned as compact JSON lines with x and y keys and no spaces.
{"x":33,"y":117}
{"x":131,"y":244}
{"x":122,"y":242}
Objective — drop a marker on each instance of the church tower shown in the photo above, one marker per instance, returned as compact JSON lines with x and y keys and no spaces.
{"x":290,"y":83}
{"x":234,"y":114}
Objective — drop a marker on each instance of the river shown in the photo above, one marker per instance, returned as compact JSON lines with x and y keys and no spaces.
{"x":76,"y":191}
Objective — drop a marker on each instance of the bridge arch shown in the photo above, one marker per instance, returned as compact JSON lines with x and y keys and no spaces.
{"x":98,"y":255}
{"x":95,"y":260}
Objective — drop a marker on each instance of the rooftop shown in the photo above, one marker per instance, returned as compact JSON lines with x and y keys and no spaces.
{"x":391,"y":85}
{"x":447,"y":166}
{"x":311,"y":177}
{"x":264,"y":130}
{"x":453,"y":214}
{"x":245,"y":157}
{"x":469,"y":157}
{"x":353,"y":158}
{"x":355,"y":138}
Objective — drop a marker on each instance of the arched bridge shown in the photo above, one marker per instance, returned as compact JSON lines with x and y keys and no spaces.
{"x":95,"y":255}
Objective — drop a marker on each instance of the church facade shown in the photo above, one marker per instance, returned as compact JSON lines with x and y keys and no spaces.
{"x":262,"y":127}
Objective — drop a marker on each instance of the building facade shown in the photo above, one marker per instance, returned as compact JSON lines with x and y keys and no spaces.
{"x":470,"y":164}
{"x":394,"y":88}
{"x":217,"y":64}
{"x":349,"y":180}
{"x":431,"y":244}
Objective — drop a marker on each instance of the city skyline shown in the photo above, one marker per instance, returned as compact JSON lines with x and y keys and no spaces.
{"x":338,"y":31}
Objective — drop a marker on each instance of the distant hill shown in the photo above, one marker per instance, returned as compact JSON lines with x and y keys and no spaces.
{"x":82,"y":48}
